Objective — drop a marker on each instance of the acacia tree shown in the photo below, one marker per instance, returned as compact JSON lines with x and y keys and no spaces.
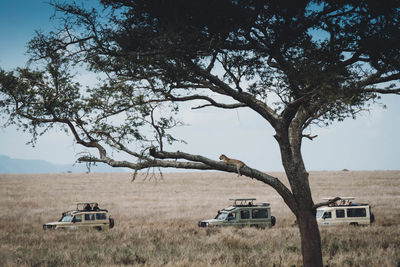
{"x":295,"y":64}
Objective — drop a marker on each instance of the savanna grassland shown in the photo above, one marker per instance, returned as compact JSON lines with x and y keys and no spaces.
{"x":156,"y":221}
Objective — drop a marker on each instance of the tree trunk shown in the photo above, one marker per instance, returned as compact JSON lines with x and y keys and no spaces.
{"x":290,"y":146}
{"x":307,"y":223}
{"x":310,"y":239}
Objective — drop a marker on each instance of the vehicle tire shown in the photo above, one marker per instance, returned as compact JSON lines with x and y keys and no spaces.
{"x":273,"y":221}
{"x":111,"y":222}
{"x":372,"y":218}
{"x":354,"y":224}
{"x":98,"y":228}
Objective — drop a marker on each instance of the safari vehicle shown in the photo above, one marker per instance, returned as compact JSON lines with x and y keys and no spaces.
{"x":344,"y":212}
{"x":243,"y":212}
{"x":86,"y":215}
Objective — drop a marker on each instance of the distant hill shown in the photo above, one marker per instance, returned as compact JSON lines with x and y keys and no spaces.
{"x":9,"y":165}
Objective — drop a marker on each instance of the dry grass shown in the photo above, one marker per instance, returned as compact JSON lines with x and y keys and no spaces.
{"x":156,"y":221}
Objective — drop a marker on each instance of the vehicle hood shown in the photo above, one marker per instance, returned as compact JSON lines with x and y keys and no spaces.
{"x":58,"y":223}
{"x":212,"y":221}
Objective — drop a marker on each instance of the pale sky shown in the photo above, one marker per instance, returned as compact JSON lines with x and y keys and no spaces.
{"x":369,"y":143}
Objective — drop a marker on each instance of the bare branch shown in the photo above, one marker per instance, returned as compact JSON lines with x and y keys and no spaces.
{"x":311,"y":137}
{"x":111,"y":141}
{"x":211,"y":65}
{"x":158,"y":129}
{"x":220,"y":105}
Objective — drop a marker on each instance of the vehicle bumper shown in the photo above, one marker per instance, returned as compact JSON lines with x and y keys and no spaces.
{"x":202,"y":224}
{"x":48,"y":227}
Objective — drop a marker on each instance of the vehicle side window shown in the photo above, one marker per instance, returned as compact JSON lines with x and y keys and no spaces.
{"x":78,"y":218}
{"x":89,"y":217}
{"x":244,"y":214}
{"x":327,"y":215}
{"x":339,"y":213}
{"x":259,"y":214}
{"x":101,"y":216}
{"x":357,"y":212}
{"x":232,"y":216}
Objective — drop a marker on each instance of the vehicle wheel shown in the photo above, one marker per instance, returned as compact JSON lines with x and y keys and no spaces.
{"x":354,"y":224}
{"x":273,"y":221}
{"x":372,"y":218}
{"x":98,"y":228}
{"x":111,"y":222}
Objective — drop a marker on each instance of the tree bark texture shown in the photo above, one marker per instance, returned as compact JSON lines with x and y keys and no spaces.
{"x":310,"y":239}
{"x":289,"y":140}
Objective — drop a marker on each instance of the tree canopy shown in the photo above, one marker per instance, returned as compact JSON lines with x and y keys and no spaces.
{"x":321,"y":60}
{"x":295,"y":63}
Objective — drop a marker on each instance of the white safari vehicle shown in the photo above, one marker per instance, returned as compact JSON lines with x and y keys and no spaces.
{"x":243,"y":212}
{"x":344,"y":212}
{"x":86,"y":215}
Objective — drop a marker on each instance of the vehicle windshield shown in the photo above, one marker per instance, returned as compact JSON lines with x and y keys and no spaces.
{"x":319,"y":213}
{"x":221,"y":216}
{"x":66,"y":218}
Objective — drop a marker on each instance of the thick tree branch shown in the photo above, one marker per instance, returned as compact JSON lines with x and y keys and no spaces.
{"x":326,"y":203}
{"x":222,"y":88}
{"x":221,"y":166}
{"x":377,"y":78}
{"x":353,"y":59}
{"x":212,"y":102}
{"x":221,"y":105}
{"x":383,"y":91}
{"x":148,"y":163}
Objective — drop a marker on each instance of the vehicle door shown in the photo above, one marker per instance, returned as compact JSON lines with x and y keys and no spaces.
{"x":101,"y":220}
{"x":259,"y":217}
{"x":358,"y":215}
{"x":340,"y":217}
{"x":77,"y":221}
{"x":89,"y":219}
{"x":244,"y":219}
{"x":231,"y":219}
{"x":327,"y":218}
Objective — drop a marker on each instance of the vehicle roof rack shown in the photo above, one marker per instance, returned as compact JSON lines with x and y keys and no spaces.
{"x":341,"y":198}
{"x":342,"y":201}
{"x":242,"y":201}
{"x":84,"y":203}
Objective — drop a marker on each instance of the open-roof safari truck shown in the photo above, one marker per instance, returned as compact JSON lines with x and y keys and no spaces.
{"x":243,"y":212}
{"x":86,"y":215}
{"x":344,"y":211}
